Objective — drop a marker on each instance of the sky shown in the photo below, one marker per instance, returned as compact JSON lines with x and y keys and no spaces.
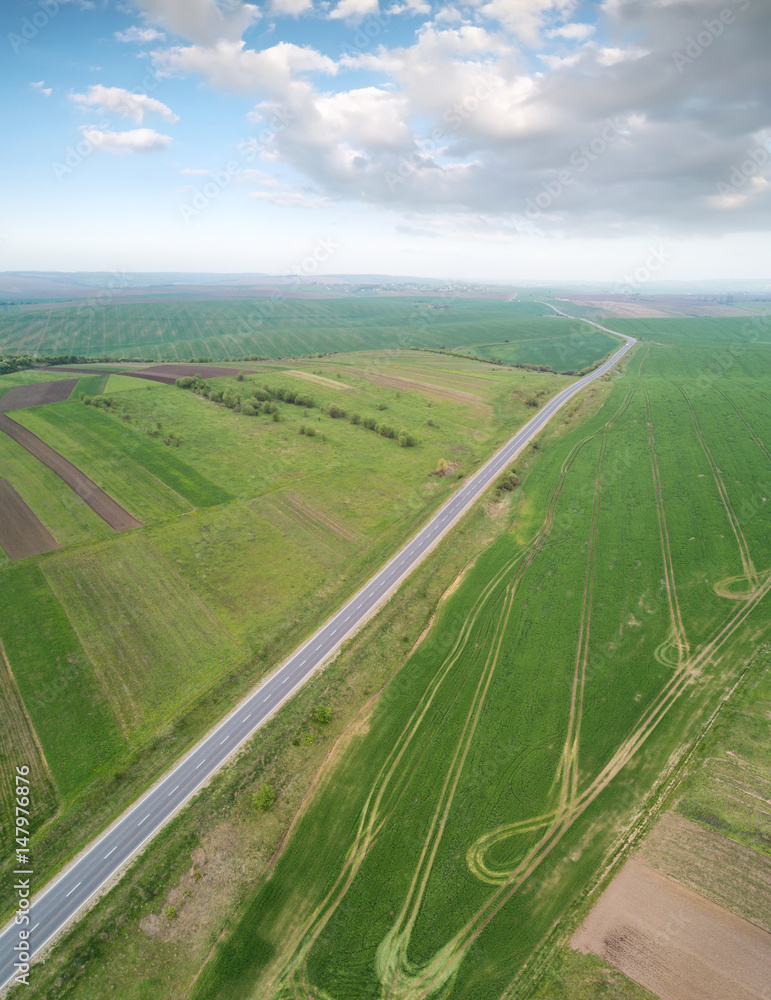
{"x":622,"y":141}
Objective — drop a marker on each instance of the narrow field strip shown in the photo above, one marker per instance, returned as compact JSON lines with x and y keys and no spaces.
{"x":116,"y":516}
{"x":22,"y":533}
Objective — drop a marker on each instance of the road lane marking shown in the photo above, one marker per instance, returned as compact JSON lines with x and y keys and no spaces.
{"x":35,"y":927}
{"x":225,"y":740}
{"x":142,"y":820}
{"x":73,"y":889}
{"x":111,"y":852}
{"x":198,"y":765}
{"x":172,"y":791}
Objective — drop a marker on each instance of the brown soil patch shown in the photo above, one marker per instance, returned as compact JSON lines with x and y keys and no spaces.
{"x":628,"y":310}
{"x":675,"y":942}
{"x":22,"y":533}
{"x":723,"y":870}
{"x":37,"y":394}
{"x":101,"y":504}
{"x":170,"y":373}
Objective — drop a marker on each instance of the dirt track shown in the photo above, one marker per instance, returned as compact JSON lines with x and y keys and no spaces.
{"x":36,"y":394}
{"x":675,"y":942}
{"x":22,"y":533}
{"x":102,"y":504}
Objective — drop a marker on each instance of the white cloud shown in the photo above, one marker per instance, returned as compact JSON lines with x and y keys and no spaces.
{"x":354,"y":10}
{"x":410,"y":7}
{"x":231,"y":66}
{"x":141,"y":35}
{"x":525,"y":17}
{"x":123,"y":102}
{"x":138,"y":140}
{"x":448,"y":14}
{"x":290,"y":8}
{"x":611,"y":56}
{"x":202,"y":21}
{"x":574,"y":32}
{"x":39,"y":85}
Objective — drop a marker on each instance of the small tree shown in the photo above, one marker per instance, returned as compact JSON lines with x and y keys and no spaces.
{"x":321,"y":714}
{"x":171,"y":912}
{"x":442,"y":466}
{"x":264,"y":798}
{"x":240,"y":377}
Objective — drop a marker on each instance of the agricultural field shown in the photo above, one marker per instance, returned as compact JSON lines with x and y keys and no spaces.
{"x":504,"y":765}
{"x":510,"y":735}
{"x":556,"y":342}
{"x":251,"y":533}
{"x":276,"y":327}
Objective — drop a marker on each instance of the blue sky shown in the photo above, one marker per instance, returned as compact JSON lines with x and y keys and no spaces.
{"x":535,"y":139}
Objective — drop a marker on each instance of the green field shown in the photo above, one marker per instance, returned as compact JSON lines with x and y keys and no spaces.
{"x":554,"y":691}
{"x":253,"y":534}
{"x":522,"y":332}
{"x":559,"y":343}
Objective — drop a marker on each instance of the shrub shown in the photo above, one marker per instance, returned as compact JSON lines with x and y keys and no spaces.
{"x":321,"y":714}
{"x":171,"y":912}
{"x":261,"y":395}
{"x":240,"y":377}
{"x":442,"y":466}
{"x":507,"y":482}
{"x":276,"y":416}
{"x":386,"y":431}
{"x":335,"y":411}
{"x":370,"y":423}
{"x":264,"y":798}
{"x":406,"y":440}
{"x":355,"y":418}
{"x":304,"y":401}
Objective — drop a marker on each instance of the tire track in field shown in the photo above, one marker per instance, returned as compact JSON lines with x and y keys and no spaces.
{"x":567,"y":771}
{"x":392,"y":954}
{"x":750,"y":429}
{"x":434,"y":974}
{"x":569,"y":764}
{"x":291,"y":975}
{"x":747,"y":564}
{"x":678,"y":634}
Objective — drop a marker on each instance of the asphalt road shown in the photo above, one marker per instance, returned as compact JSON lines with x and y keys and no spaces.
{"x":58,"y":904}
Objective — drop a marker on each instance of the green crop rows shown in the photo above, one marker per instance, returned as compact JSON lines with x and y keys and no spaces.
{"x":584,"y":649}
{"x":522,"y":332}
